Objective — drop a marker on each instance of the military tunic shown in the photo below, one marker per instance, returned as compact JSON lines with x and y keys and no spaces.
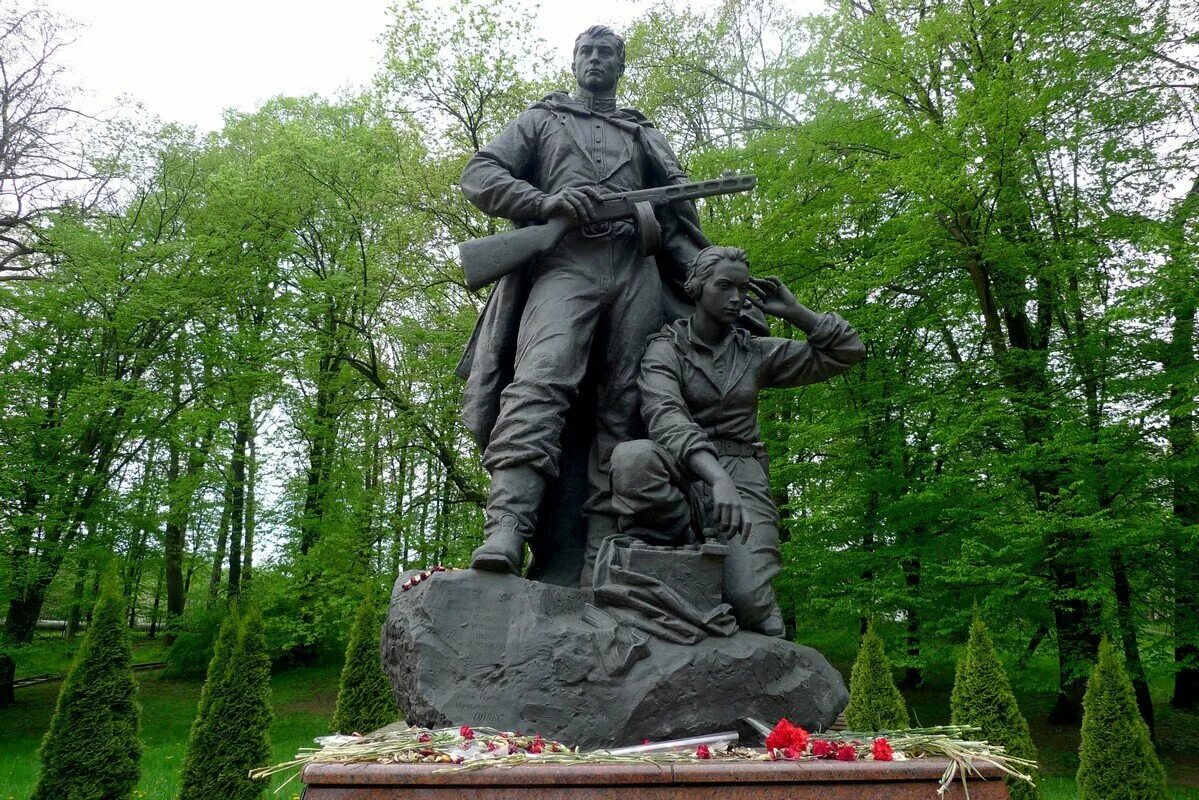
{"x":699,"y":398}
{"x":595,"y":297}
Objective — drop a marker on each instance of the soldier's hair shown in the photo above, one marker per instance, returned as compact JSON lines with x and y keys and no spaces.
{"x":596,"y":31}
{"x":701,"y":268}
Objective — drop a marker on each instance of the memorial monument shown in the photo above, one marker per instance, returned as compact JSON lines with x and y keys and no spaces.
{"x":635,"y":471}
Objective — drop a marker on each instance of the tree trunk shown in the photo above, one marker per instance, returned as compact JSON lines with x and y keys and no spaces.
{"x":912,"y":675}
{"x":76,"y":611}
{"x":157,"y":599}
{"x":247,"y":551}
{"x":222,"y":539}
{"x":1128,"y":638}
{"x":237,"y":504}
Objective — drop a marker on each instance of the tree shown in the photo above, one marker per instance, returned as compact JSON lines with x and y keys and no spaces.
{"x":875,"y":703}
{"x":43,"y":164}
{"x":982,"y":697}
{"x":231,"y":734}
{"x":1116,"y":757}
{"x":364,"y":698}
{"x":91,"y":751}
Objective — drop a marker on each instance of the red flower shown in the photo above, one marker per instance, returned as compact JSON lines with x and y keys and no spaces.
{"x":822,"y":748}
{"x":787,"y":735}
{"x":846,"y":753}
{"x":465,"y":732}
{"x":537,"y":746}
{"x":882,"y":750}
{"x":424,"y":737}
{"x":703,"y":752}
{"x":791,"y":754}
{"x":645,"y":741}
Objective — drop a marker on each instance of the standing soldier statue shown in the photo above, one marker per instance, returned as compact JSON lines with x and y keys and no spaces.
{"x":568,"y":329}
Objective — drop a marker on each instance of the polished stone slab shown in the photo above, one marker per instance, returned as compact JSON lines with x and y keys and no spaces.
{"x":718,"y":780}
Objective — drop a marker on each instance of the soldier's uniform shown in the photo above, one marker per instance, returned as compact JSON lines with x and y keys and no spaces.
{"x":699,"y":398}
{"x":594,"y":292}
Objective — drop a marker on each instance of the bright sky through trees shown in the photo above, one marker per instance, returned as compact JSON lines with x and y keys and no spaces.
{"x":189,"y":61}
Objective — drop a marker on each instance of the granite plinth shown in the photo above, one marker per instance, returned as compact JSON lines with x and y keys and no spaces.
{"x":499,"y":651}
{"x":719,"y":780}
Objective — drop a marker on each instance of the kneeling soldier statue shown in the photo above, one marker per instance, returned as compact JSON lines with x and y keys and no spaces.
{"x":703,"y":466}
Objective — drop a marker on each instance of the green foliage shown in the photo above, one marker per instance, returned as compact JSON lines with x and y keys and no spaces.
{"x":1116,"y":758}
{"x":196,"y":636}
{"x":875,"y":703}
{"x":364,"y":698}
{"x":91,"y":751}
{"x":982,"y":696}
{"x":231,"y":733}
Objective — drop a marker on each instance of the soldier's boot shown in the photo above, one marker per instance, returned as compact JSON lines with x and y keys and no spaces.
{"x":516,"y":494}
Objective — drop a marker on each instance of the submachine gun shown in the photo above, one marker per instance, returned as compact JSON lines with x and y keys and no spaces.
{"x":492,"y":257}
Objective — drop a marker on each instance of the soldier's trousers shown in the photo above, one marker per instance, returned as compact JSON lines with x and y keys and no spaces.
{"x":657,"y":501}
{"x":590,"y":294}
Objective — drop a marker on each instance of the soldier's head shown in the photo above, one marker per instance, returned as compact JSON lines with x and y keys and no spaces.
{"x":718,"y":282}
{"x":598,"y":59}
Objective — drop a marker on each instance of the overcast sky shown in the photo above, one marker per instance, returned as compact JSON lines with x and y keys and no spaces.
{"x":187,"y":61}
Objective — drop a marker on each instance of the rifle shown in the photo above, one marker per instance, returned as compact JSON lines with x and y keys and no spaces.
{"x":492,"y":257}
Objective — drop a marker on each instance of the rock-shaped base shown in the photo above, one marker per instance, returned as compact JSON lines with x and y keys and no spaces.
{"x":476,"y":648}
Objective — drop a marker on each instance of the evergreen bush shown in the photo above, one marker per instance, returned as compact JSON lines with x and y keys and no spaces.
{"x":364,"y":698}
{"x":197,"y":762}
{"x":91,"y":751}
{"x":875,"y":703}
{"x":982,"y":696}
{"x":231,"y":734}
{"x":1116,"y":758}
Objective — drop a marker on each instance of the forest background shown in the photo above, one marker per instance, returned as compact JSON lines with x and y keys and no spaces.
{"x":226,"y":360}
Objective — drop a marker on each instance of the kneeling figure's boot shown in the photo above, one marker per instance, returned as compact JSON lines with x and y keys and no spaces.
{"x":772,"y":625}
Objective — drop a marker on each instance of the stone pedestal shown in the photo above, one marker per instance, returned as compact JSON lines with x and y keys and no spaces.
{"x":718,"y":780}
{"x":483,"y":649}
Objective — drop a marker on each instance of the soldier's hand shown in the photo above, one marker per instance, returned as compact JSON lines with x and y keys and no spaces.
{"x":732,"y":519}
{"x":576,"y":204}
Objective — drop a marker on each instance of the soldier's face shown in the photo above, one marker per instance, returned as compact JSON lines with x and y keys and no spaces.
{"x":723,"y":296}
{"x":597,"y":64}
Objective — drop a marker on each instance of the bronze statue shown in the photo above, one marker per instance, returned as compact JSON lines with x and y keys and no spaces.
{"x":567,"y":332}
{"x":703,"y":466}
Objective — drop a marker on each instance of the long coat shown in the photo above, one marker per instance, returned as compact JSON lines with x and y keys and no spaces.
{"x":487,"y":364}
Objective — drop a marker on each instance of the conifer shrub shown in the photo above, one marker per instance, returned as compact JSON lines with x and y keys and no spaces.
{"x":364,"y":698}
{"x":197,"y":761}
{"x":91,"y":751}
{"x":982,"y":696}
{"x":231,"y":734}
{"x":1116,"y":758}
{"x":875,"y":703}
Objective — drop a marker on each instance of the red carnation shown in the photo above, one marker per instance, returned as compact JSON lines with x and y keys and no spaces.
{"x":822,"y":748}
{"x":846,"y":753}
{"x":703,"y":752}
{"x":465,"y":732}
{"x":787,"y":735}
{"x":424,"y":737}
{"x":882,"y":750}
{"x":790,"y":753}
{"x":645,"y":741}
{"x":537,"y":746}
